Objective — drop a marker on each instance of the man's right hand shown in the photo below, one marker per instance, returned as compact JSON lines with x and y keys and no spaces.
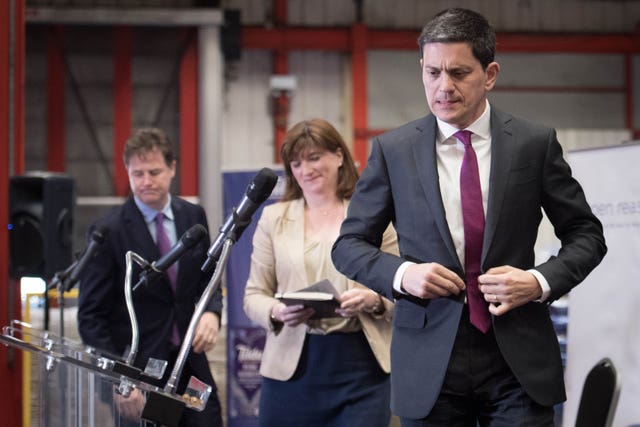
{"x":130,"y":407}
{"x":431,"y":280}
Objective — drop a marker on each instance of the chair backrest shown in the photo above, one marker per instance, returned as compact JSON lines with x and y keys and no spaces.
{"x":599,"y":396}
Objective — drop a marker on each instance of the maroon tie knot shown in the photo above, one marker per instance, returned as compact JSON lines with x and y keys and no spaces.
{"x":464,"y":136}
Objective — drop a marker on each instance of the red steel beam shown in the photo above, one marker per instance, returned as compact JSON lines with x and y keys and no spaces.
{"x":11,"y":118}
{"x":122,"y":101}
{"x":293,"y":38}
{"x":280,"y":12}
{"x":189,"y":119}
{"x":56,"y":152}
{"x":569,"y":43}
{"x":19,"y":80}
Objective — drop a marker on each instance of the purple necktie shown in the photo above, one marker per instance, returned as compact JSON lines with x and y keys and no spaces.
{"x":473,"y":222}
{"x":164,"y":245}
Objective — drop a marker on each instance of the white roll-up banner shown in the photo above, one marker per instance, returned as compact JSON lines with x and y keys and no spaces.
{"x":604,"y":311}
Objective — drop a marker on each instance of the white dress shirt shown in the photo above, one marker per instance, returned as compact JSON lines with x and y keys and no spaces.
{"x":449,"y":155}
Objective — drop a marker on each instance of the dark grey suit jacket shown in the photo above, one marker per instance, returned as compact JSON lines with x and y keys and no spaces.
{"x":400,"y":185}
{"x":103,"y":320}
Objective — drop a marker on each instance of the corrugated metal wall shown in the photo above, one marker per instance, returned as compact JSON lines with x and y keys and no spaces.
{"x":574,"y":92}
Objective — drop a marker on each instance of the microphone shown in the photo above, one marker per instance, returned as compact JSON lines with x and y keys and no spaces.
{"x":257,"y":192}
{"x":189,"y":239}
{"x":98,"y":236}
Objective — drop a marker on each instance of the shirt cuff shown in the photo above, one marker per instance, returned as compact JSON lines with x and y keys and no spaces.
{"x":397,"y":278}
{"x":544,"y":285}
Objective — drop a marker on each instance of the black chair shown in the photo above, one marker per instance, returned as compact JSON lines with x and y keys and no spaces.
{"x":599,"y":396}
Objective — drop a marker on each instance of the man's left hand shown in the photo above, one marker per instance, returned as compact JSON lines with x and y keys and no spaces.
{"x":206,"y":332}
{"x":506,"y":288}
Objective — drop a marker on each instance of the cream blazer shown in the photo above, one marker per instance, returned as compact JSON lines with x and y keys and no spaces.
{"x":277,"y":265}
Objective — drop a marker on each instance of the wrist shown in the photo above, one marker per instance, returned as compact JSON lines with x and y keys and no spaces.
{"x":378,"y":308}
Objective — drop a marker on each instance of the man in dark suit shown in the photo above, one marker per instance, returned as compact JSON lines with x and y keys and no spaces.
{"x":472,"y":339}
{"x":163,"y":313}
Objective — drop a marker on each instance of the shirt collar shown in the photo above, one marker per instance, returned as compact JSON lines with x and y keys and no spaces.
{"x":481,"y":127}
{"x":150,"y":214}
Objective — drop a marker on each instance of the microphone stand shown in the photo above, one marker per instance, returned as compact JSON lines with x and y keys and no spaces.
{"x":157,"y":407}
{"x":135,"y":332}
{"x":60,"y":282}
{"x":127,"y":370}
{"x":202,"y":303}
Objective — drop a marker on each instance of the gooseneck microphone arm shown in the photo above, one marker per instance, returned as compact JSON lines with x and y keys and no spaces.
{"x":189,"y":239}
{"x":257,"y":192}
{"x":66,"y":279}
{"x":135,"y":334}
{"x":213,"y":285}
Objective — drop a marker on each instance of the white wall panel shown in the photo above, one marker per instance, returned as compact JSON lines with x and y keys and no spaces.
{"x":321,"y":13}
{"x":561,"y":70}
{"x":564,"y":110}
{"x":252,"y":12}
{"x":248,"y":123}
{"x":319,"y":90}
{"x":580,"y":139}
{"x":395,"y":90}
{"x":396,"y":94}
{"x":247,"y":134}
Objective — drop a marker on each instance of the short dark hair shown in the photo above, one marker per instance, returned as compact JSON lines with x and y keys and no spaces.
{"x":461,"y":25}
{"x":148,"y":139}
{"x":316,"y":133}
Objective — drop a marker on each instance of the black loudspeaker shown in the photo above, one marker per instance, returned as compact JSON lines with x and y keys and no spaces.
{"x":231,"y":35}
{"x":41,"y":207}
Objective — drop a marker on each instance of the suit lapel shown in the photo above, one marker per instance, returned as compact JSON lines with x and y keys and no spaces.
{"x":424,"y":150}
{"x":179,"y":218}
{"x":502,"y":146}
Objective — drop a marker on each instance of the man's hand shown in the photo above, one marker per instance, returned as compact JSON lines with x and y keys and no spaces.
{"x":130,"y":407}
{"x":358,"y":300}
{"x":206,"y":332}
{"x":431,"y":280}
{"x":506,"y":288}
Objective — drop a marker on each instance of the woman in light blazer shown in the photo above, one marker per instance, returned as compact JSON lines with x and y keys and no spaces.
{"x":317,"y":372}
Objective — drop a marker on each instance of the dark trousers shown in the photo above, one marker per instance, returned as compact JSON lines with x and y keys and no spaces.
{"x":479,"y":388}
{"x":211,"y":415}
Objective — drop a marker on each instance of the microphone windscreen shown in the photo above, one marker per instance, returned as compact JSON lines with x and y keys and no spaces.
{"x":262,"y":185}
{"x":194,"y":235}
{"x":100,"y":234}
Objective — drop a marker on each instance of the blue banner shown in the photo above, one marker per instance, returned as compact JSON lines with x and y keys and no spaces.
{"x":245,"y":340}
